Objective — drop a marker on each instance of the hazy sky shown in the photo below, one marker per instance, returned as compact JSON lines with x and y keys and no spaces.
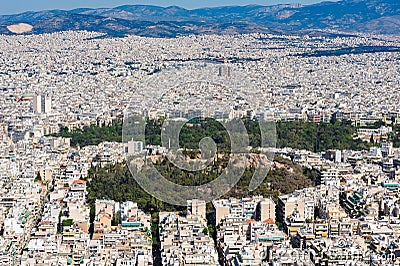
{"x":18,"y":6}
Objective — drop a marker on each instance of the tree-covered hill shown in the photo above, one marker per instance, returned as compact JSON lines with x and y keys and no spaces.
{"x":315,"y":137}
{"x":117,"y":183}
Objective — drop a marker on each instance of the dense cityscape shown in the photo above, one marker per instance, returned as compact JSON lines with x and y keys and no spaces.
{"x":348,"y":213}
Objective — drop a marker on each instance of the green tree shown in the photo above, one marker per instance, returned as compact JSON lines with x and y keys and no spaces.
{"x":38,"y":177}
{"x":68,"y":222}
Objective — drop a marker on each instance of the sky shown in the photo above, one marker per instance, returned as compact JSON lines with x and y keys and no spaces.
{"x":18,"y":6}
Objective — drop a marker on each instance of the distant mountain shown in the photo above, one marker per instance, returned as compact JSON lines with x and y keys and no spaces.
{"x":349,"y":15}
{"x":375,"y":16}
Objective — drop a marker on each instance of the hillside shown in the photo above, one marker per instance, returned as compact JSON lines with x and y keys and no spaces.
{"x":373,"y":16}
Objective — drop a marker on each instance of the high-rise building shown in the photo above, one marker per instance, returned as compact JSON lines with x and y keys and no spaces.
{"x":134,"y":147}
{"x":41,"y":104}
{"x":224,"y":71}
{"x":266,"y":211}
{"x":3,"y":131}
{"x":197,"y":207}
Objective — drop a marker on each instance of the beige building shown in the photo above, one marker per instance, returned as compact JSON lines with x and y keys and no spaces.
{"x":3,"y":131}
{"x":221,"y":210}
{"x":106,"y":206}
{"x":197,"y":207}
{"x":266,"y":211}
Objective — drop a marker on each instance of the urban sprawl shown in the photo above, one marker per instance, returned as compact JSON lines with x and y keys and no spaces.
{"x":50,"y":82}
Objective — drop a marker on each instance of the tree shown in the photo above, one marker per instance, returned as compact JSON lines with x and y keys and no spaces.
{"x":38,"y":177}
{"x":116,"y":220}
{"x":210,"y":230}
{"x":68,"y":222}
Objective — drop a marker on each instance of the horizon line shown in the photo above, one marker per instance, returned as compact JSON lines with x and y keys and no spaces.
{"x":163,"y":6}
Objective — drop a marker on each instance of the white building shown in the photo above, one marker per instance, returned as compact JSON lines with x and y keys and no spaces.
{"x":41,"y":104}
{"x":134,"y":147}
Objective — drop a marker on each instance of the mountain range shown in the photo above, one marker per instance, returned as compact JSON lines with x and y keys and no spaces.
{"x":372,"y":16}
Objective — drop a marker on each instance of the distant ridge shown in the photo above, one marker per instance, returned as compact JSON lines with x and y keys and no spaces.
{"x":373,"y":16}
